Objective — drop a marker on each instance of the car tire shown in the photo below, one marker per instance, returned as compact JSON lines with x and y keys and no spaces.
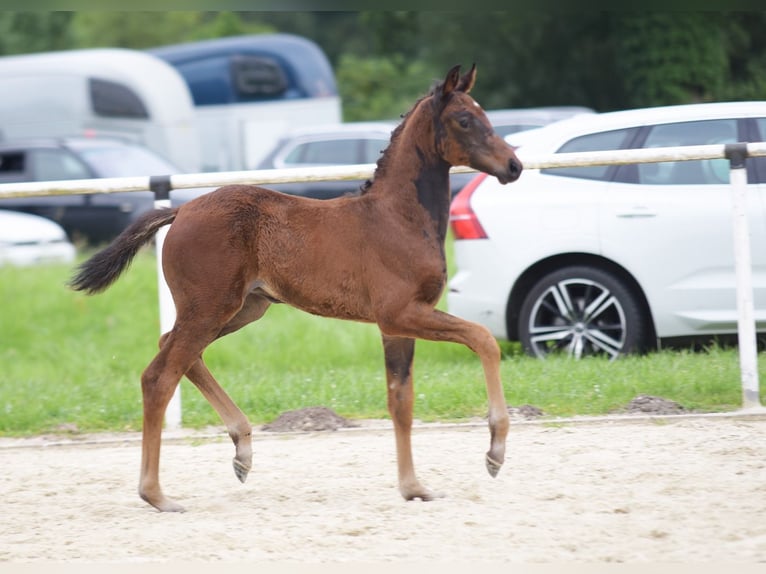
{"x":581,"y":311}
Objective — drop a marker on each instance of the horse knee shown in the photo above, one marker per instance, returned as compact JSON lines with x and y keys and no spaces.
{"x":484,"y":344}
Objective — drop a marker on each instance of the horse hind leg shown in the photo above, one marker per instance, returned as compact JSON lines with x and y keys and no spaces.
{"x":236,"y":422}
{"x":399,"y":354}
{"x":180,"y":353}
{"x":158,"y":382}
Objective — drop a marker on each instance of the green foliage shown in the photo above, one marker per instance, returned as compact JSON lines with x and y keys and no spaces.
{"x":746,"y":49}
{"x":670,"y":58}
{"x":26,"y":32}
{"x":379,"y":88}
{"x":139,"y":30}
{"x":602,"y":59}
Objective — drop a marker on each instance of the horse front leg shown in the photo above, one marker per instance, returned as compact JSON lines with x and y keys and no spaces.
{"x":423,"y":322}
{"x":399,"y":353}
{"x":499,"y":422}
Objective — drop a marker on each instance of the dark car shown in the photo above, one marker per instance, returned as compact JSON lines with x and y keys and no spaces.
{"x":92,"y":217}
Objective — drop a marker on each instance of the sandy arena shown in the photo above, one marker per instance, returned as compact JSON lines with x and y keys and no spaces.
{"x":635,"y":490}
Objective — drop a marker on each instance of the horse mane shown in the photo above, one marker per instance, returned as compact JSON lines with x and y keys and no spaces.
{"x":382,"y":164}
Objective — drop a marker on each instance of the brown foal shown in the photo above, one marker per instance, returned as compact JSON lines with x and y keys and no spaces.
{"x":375,"y":257}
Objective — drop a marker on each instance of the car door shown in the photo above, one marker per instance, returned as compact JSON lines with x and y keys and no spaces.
{"x":756,"y":169}
{"x":670,"y":225}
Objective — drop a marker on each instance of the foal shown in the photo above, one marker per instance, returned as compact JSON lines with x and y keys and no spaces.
{"x":377,"y":257}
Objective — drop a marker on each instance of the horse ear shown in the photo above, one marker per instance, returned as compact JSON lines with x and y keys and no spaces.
{"x":451,"y":81}
{"x":468,"y":80}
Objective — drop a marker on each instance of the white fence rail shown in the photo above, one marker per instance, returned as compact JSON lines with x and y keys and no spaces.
{"x":735,"y":153}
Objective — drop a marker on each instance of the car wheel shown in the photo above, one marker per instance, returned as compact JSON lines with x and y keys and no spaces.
{"x":581,"y":311}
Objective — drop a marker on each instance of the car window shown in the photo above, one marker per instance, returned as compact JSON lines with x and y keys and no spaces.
{"x":125,"y":161}
{"x":602,"y":141}
{"x":507,"y":129}
{"x":372,"y":150}
{"x":12,"y":166}
{"x":329,"y":152}
{"x":706,"y":132}
{"x":56,"y":164}
{"x":209,"y":80}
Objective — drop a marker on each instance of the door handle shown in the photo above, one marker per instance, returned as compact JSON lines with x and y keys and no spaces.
{"x":636,"y":212}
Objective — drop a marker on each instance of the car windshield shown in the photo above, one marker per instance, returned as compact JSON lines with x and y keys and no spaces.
{"x":125,"y":161}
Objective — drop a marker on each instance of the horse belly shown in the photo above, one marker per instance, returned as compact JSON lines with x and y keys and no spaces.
{"x":324,"y":297}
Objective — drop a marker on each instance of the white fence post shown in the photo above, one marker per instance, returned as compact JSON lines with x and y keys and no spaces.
{"x":746,"y":329}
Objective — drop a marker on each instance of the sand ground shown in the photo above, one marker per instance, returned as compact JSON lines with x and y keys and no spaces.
{"x":635,"y":490}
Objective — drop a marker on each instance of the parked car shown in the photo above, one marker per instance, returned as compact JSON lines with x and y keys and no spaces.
{"x":514,"y":120}
{"x":609,"y":260}
{"x":362,"y":142}
{"x":335,"y":144}
{"x":95,"y":217}
{"x":29,"y":239}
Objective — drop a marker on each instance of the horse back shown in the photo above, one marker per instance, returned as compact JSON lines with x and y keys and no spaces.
{"x":335,"y":257}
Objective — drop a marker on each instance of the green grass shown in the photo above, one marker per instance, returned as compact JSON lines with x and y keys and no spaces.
{"x":74,"y":361}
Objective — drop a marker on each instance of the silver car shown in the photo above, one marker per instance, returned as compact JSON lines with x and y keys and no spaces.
{"x":348,"y":143}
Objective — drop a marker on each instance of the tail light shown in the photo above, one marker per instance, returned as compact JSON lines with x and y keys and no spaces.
{"x":462,"y":218}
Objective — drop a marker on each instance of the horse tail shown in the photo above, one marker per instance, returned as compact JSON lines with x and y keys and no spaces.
{"x":106,"y":266}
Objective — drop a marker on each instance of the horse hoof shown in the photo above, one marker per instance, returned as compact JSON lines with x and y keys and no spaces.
{"x":425,"y":496}
{"x":241,"y":470}
{"x":493,"y":467}
{"x":164,"y":504}
{"x":171,"y":506}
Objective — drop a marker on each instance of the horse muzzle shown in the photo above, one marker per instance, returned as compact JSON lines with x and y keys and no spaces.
{"x":511,"y":172}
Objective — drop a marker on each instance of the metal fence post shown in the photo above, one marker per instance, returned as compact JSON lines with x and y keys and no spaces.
{"x":161,"y":186}
{"x":748,"y":348}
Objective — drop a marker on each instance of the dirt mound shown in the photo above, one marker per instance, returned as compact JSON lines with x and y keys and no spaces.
{"x":525,"y":412}
{"x":647,"y":404}
{"x":308,"y":419}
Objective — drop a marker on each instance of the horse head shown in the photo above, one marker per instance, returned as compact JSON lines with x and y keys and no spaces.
{"x":464,"y":135}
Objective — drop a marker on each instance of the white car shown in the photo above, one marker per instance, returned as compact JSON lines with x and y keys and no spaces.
{"x":27,"y":239}
{"x":612,"y":259}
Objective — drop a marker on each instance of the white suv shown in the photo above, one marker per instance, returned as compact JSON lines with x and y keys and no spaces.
{"x":612,"y":259}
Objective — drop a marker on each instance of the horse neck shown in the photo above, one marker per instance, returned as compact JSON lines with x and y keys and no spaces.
{"x":415,"y":171}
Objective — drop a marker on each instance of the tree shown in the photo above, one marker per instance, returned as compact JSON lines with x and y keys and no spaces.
{"x":605,"y":60}
{"x":139,"y":30}
{"x":379,"y":88}
{"x":25,"y":32}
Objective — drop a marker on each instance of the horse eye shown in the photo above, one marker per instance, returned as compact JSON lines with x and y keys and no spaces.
{"x":463,"y":123}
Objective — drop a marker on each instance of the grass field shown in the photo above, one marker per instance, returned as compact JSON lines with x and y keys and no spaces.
{"x":71,"y":361}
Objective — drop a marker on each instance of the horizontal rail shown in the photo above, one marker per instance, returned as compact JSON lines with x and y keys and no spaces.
{"x":735,"y":153}
{"x":361,"y":171}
